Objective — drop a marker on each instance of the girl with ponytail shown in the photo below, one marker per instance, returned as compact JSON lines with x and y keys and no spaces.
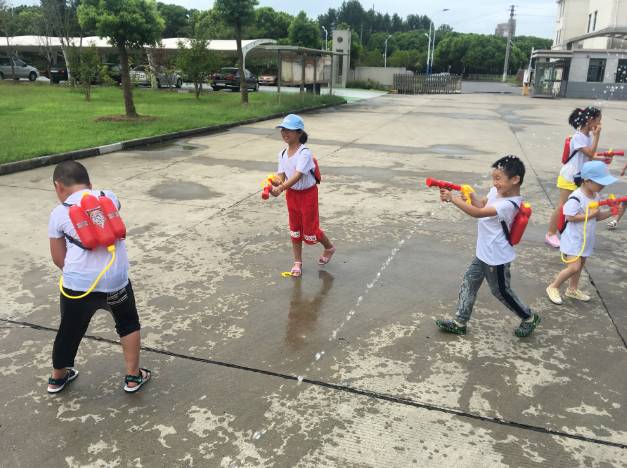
{"x":297,"y":177}
{"x":583,"y":147}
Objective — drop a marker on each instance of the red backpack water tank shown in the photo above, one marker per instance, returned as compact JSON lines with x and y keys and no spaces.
{"x":102,"y":228}
{"x":520,"y":224}
{"x":113,"y":216}
{"x":84,"y":227}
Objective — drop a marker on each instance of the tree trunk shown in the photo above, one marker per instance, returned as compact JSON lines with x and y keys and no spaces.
{"x":240,"y":55}
{"x":9,"y":50}
{"x":126,"y":83}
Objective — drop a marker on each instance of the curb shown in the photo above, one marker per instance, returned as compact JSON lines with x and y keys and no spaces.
{"x":41,"y":161}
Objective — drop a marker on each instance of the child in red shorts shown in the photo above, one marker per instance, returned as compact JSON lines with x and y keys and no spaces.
{"x":296,"y":175}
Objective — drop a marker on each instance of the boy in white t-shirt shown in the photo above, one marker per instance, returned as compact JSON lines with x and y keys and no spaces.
{"x":494,"y":255}
{"x":80,"y":268}
{"x":578,"y":238}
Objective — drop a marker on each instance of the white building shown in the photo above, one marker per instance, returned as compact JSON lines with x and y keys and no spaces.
{"x":589,"y":53}
{"x":576,"y":18}
{"x":502,"y":29}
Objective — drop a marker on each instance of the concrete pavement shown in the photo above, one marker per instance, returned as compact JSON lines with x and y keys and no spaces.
{"x":345,"y":366}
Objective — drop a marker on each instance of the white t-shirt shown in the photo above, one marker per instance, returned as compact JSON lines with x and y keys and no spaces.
{"x":493,"y":247}
{"x":83,"y":266}
{"x":572,"y":237}
{"x":573,"y":167}
{"x":301,"y":161}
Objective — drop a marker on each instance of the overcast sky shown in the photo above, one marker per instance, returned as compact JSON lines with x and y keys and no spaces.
{"x":534,"y":17}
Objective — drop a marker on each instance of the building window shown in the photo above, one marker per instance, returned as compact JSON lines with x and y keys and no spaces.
{"x":594,"y":23}
{"x":621,"y":71}
{"x":596,"y":70}
{"x":589,"y":22}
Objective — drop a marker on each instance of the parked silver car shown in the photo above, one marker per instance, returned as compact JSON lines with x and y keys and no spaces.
{"x":21,"y":69}
{"x":140,"y":76}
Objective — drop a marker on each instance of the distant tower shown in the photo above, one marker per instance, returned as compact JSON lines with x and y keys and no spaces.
{"x":341,"y":44}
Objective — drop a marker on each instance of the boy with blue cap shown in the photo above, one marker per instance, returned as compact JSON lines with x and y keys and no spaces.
{"x":577,"y":241}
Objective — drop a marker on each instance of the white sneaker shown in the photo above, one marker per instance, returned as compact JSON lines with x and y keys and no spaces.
{"x":554,"y":295}
{"x":577,"y":294}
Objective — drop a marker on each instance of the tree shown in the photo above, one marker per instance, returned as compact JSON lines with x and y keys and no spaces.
{"x":212,"y":23}
{"x":526,"y":43}
{"x":352,"y":13}
{"x":238,"y":14}
{"x":475,"y":53}
{"x":87,"y":66}
{"x":271,"y":24}
{"x":7,"y":27}
{"x":62,"y":19}
{"x":195,"y":60}
{"x":371,"y":58}
{"x":397,"y":23}
{"x":304,"y":32}
{"x":410,"y":59}
{"x":177,"y":20}
{"x":127,"y":24}
{"x":328,"y":19}
{"x":26,"y":20}
{"x":418,"y":22}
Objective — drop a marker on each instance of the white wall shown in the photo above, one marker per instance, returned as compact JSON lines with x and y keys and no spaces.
{"x":580,"y":62}
{"x":385,"y":76}
{"x":573,"y":22}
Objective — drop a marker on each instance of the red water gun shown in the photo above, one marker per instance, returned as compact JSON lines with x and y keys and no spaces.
{"x":610,"y":201}
{"x":608,"y":155}
{"x":611,"y":153}
{"x":466,"y":190}
{"x":267,"y":185}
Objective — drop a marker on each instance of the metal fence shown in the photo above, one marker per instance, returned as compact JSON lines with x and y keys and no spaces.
{"x":427,"y":84}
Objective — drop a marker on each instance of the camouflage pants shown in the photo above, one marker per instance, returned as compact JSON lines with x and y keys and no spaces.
{"x":499,"y":279}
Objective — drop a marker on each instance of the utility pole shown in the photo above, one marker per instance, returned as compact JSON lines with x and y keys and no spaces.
{"x":510,"y":31}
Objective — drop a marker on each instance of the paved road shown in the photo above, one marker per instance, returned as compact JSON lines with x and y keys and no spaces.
{"x":343,"y":367}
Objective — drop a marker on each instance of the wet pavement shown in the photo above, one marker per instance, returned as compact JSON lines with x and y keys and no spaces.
{"x":343,"y":367}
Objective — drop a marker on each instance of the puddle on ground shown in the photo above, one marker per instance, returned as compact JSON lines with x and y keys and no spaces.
{"x":181,"y":190}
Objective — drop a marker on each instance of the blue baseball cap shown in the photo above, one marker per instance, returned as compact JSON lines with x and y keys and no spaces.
{"x":292,"y":122}
{"x":597,"y":171}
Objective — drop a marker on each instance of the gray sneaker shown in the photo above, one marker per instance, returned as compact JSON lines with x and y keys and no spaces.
{"x":450,"y":326}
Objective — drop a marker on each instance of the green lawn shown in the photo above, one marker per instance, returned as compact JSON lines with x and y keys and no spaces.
{"x":38,"y":119}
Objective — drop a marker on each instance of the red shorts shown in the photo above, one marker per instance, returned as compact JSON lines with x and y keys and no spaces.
{"x":302,"y":206}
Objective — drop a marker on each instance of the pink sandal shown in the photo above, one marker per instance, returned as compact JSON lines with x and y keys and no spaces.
{"x":326,"y":256}
{"x":297,"y":270}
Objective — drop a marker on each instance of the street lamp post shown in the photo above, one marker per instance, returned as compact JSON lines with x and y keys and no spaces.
{"x":428,"y":48}
{"x":326,"y":36}
{"x":385,"y":54}
{"x":431,"y":51}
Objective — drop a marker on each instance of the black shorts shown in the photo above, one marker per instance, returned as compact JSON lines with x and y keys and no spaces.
{"x":77,"y":313}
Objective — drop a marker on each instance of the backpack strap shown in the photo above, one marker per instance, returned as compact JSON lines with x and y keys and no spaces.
{"x":572,"y":155}
{"x":504,"y":224}
{"x":71,"y":239}
{"x":76,"y":242}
